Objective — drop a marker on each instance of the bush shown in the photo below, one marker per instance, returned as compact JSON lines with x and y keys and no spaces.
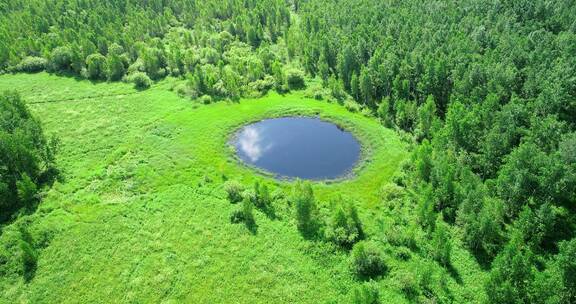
{"x":307,"y":215}
{"x":18,"y":257}
{"x":29,"y":260}
{"x":407,"y":282}
{"x":141,"y":80}
{"x":352,"y":106}
{"x":262,"y":198}
{"x":344,"y":227}
{"x":27,"y":190}
{"x":262,"y":86}
{"x":295,"y":79}
{"x":247,"y":211}
{"x":205,"y":99}
{"x":31,"y":65}
{"x":336,"y":89}
{"x":61,"y":58}
{"x":366,"y":294}
{"x":234,"y":191}
{"x":96,"y":66}
{"x":391,"y":191}
{"x":367,"y":261}
{"x":403,"y":253}
{"x":441,"y":246}
{"x":245,"y":214}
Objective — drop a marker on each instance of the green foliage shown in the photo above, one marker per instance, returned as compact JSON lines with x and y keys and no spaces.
{"x":367,"y":261}
{"x":366,"y":294}
{"x":18,"y":257}
{"x":384,"y":112}
{"x":141,"y":80}
{"x":441,"y":244}
{"x":425,"y":210}
{"x":262,"y":198}
{"x":307,"y":214}
{"x":245,"y":214}
{"x":61,"y":59}
{"x":139,"y":200}
{"x":423,"y":161}
{"x":234,"y":191}
{"x":115,"y":65}
{"x":295,"y":79}
{"x":565,"y":265}
{"x":96,"y":66}
{"x":486,"y":87}
{"x":511,"y":275}
{"x":426,"y":117}
{"x":29,"y":260}
{"x":26,"y":190}
{"x":26,"y":156}
{"x":344,"y":227}
{"x":31,"y":64}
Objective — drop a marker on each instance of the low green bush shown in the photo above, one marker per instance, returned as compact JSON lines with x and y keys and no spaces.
{"x":295,"y":79}
{"x":367,"y":261}
{"x":307,"y":214}
{"x":140,"y":80}
{"x":31,"y":65}
{"x":367,"y":293}
{"x":234,"y":191}
{"x":344,"y":227}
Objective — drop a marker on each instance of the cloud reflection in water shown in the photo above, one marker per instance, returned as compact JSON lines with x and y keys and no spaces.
{"x":251,"y":143}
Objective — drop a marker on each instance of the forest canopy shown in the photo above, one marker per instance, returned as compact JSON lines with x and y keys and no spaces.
{"x":27,"y":157}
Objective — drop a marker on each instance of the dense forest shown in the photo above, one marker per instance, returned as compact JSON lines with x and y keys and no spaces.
{"x":484,"y":92}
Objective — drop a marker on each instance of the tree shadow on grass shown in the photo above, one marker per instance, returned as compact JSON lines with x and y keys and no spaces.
{"x":453,"y":272}
{"x":483,"y":259}
{"x":252,"y":227}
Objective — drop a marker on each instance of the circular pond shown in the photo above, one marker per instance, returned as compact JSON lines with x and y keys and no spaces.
{"x":298,"y":147}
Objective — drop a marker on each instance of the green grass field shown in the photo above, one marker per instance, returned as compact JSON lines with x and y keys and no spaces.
{"x":141,"y":215}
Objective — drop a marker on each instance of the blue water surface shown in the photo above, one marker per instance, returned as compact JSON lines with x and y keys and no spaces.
{"x":298,"y":147}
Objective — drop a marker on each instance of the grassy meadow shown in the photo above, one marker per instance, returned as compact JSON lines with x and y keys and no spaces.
{"x":140,"y":214}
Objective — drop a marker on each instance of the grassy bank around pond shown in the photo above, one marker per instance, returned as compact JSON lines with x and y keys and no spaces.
{"x":141,"y":214}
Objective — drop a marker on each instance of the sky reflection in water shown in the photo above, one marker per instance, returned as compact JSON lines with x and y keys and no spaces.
{"x":306,"y":148}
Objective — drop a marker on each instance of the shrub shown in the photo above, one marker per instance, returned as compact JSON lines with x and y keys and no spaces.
{"x":336,"y":89}
{"x":141,"y":80}
{"x":391,"y":191}
{"x":245,"y":214}
{"x":344,"y":227}
{"x":403,"y":253}
{"x":27,"y":190}
{"x":262,"y":198}
{"x":29,"y":260}
{"x":441,"y":246}
{"x":262,"y":85}
{"x":400,"y":235}
{"x":234,"y":191}
{"x":96,"y":66}
{"x":366,"y":294}
{"x":307,"y":215}
{"x":61,"y":58}
{"x":367,"y":261}
{"x":295,"y":79}
{"x":205,"y":99}
{"x":31,"y":65}
{"x":407,"y":282}
{"x":237,"y":216}
{"x":18,"y":257}
{"x":352,"y":106}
